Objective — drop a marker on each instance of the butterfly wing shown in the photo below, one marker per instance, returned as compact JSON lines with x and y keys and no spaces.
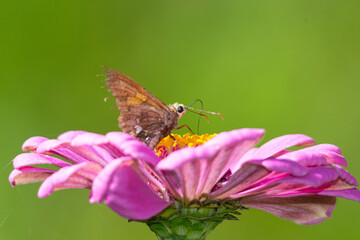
{"x":141,"y":114}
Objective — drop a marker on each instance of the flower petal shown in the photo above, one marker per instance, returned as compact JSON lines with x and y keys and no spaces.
{"x":193,"y":172}
{"x":316,"y":155}
{"x":300,"y":209}
{"x":233,"y":145}
{"x":89,"y":139}
{"x":184,"y":169}
{"x":125,"y":192}
{"x":336,"y":158}
{"x":76,"y":176}
{"x":131,"y":146}
{"x":32,"y":143}
{"x":26,"y":159}
{"x":27,"y":175}
{"x":247,"y":175}
{"x":253,"y":171}
{"x":94,"y":143}
{"x":282,"y":165}
{"x":70,"y":135}
{"x":246,"y":157}
{"x":346,"y":176}
{"x":69,"y":155}
{"x":351,"y":194}
{"x":75,"y":154}
{"x":315,"y":178}
{"x":49,"y":145}
{"x":319,"y":179}
{"x":281,"y":143}
{"x":305,"y":157}
{"x":60,"y":148}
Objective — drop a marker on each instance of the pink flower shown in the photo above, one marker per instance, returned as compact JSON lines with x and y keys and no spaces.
{"x":300,"y":185}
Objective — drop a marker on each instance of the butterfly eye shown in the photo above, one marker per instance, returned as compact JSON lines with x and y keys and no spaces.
{"x":180,"y":109}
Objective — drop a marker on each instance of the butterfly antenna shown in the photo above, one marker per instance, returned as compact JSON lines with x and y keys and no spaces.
{"x":200,"y":114}
{"x":213,"y":113}
{"x":202,"y":105}
{"x":195,"y":101}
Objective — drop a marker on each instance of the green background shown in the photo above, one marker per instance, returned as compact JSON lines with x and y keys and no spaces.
{"x":286,"y":66}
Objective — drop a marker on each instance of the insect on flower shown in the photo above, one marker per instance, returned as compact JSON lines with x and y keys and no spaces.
{"x":142,"y":114}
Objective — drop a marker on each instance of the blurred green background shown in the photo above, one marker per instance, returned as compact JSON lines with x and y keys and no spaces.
{"x":286,"y":66}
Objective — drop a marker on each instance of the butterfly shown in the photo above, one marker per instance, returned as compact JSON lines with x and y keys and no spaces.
{"x":141,"y":114}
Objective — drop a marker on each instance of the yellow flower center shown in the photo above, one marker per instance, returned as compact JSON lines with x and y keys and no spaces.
{"x":168,"y":144}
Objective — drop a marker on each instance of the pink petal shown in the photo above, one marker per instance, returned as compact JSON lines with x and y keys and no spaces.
{"x":318,"y":179}
{"x":130,"y":146}
{"x":178,"y":158}
{"x":282,"y":165}
{"x":316,"y":155}
{"x":184,"y":169}
{"x":49,"y":145}
{"x":90,"y":154}
{"x":233,"y":145}
{"x":336,"y":158}
{"x":281,"y":143}
{"x":27,"y":175}
{"x":70,"y":135}
{"x":26,"y":159}
{"x":240,"y":141}
{"x":192,"y":172}
{"x":346,"y":176}
{"x":89,"y":139}
{"x":69,"y":155}
{"x":351,"y":194}
{"x":253,"y":171}
{"x":94,"y":143}
{"x":73,"y":154}
{"x":325,"y":147}
{"x":247,"y":175}
{"x":247,"y":156}
{"x":306,"y":157}
{"x":32,"y":143}
{"x":125,"y":192}
{"x":76,"y":176}
{"x":331,"y":152}
{"x":300,"y":209}
{"x":315,"y":178}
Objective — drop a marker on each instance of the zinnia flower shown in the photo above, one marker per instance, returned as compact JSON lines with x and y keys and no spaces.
{"x":188,"y":186}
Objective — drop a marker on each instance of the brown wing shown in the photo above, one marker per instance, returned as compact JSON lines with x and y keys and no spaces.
{"x":141,"y":114}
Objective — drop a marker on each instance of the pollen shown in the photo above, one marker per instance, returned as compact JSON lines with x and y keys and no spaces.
{"x":168,"y":144}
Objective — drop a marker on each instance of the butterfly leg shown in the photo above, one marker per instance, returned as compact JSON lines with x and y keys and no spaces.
{"x":185,"y":126}
{"x":172,"y":137}
{"x":175,"y":141}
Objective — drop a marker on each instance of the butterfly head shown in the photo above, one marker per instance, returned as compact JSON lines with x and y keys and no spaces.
{"x":178,"y":108}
